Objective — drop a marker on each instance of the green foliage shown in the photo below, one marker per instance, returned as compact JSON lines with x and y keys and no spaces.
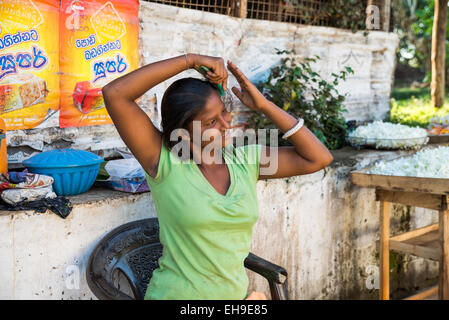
{"x":413,"y":22}
{"x":348,"y":14}
{"x":408,"y":93}
{"x":413,"y":107}
{"x":102,"y":173}
{"x":302,"y":92}
{"x":423,"y":22}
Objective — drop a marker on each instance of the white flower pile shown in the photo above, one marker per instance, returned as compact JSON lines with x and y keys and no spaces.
{"x":388,"y":135}
{"x":429,"y":163}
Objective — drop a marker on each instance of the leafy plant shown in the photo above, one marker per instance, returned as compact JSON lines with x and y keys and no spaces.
{"x":347,"y":14}
{"x":413,"y":107}
{"x":413,"y":23}
{"x":302,"y":92}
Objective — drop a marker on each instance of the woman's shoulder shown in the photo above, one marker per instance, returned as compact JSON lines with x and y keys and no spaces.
{"x":167,"y":159}
{"x":247,"y":157}
{"x":249,"y":153}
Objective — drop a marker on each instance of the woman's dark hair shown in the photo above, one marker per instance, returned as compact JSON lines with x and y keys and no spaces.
{"x":181,"y":102}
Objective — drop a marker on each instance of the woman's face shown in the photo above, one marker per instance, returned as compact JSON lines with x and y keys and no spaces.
{"x":215,"y":117}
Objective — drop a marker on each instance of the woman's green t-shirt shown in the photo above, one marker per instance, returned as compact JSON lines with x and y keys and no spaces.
{"x":206,"y":236}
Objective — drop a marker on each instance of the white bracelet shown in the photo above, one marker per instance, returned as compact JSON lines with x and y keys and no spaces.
{"x":294,"y":129}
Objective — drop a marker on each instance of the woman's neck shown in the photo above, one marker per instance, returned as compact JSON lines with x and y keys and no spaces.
{"x":209,"y":159}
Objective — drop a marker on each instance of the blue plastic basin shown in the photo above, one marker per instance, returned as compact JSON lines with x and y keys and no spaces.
{"x":74,"y":171}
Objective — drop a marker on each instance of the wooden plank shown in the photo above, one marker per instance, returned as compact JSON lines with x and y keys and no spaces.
{"x":424,"y":294}
{"x":423,"y":242}
{"x":438,"y":53}
{"x":242,"y":8}
{"x":400,"y":183}
{"x":280,"y":8}
{"x":431,"y":240}
{"x":415,"y":199}
{"x":443,"y":291}
{"x":387,"y":12}
{"x":441,"y":138}
{"x":384,"y":290}
{"x":432,"y":229}
{"x":417,"y":250}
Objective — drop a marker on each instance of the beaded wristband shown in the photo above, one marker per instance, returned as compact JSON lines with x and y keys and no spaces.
{"x":294,"y":129}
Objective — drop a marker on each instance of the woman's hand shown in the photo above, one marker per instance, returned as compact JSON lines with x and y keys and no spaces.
{"x":216,"y":64}
{"x":249,"y":95}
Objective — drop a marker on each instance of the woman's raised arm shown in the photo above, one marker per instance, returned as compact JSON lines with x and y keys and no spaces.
{"x":133,"y":125}
{"x":307,"y":154}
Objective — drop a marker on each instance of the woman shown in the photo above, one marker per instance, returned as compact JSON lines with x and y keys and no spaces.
{"x":206,"y":209}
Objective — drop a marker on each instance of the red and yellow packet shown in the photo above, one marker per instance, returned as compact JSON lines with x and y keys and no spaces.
{"x":29,"y":62}
{"x":98,"y":43}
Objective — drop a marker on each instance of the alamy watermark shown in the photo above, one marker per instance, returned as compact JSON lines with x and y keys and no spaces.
{"x":372,"y":17}
{"x":212,"y":152}
{"x":372,"y":281}
{"x":72,"y":277}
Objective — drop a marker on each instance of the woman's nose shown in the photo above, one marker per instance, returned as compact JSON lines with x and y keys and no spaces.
{"x":224,"y":123}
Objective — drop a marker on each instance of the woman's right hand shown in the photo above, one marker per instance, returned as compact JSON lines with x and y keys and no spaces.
{"x":218,"y":73}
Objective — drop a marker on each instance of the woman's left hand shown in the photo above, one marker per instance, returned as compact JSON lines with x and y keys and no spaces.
{"x":249,"y":95}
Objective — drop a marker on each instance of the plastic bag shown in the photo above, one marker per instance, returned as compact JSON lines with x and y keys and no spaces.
{"x":133,"y":185}
{"x":124,"y":153}
{"x":16,"y":195}
{"x":125,"y":175}
{"x":124,"y":168}
{"x":24,"y":179}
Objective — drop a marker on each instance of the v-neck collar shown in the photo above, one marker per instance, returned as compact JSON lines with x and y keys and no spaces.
{"x":225,"y":153}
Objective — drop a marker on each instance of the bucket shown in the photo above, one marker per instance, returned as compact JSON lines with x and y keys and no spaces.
{"x":3,"y":154}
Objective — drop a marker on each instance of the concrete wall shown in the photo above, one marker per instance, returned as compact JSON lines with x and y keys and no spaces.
{"x":168,"y":31}
{"x":41,"y":254}
{"x":319,"y":227}
{"x":323,"y":230}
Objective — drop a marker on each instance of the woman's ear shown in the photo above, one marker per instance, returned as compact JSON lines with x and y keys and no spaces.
{"x":184,"y":134}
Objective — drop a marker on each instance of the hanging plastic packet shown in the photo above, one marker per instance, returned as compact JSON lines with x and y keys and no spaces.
{"x":29,"y":62}
{"x":98,"y":43}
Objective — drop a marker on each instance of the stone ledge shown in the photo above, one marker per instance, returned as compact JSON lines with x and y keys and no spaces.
{"x":348,"y":157}
{"x":94,"y":196}
{"x":97,"y":194}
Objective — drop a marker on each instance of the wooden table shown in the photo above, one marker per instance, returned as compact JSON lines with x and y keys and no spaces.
{"x":431,"y":242}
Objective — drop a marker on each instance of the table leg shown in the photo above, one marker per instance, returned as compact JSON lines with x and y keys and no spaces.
{"x":443,"y":283}
{"x":384,"y":290}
